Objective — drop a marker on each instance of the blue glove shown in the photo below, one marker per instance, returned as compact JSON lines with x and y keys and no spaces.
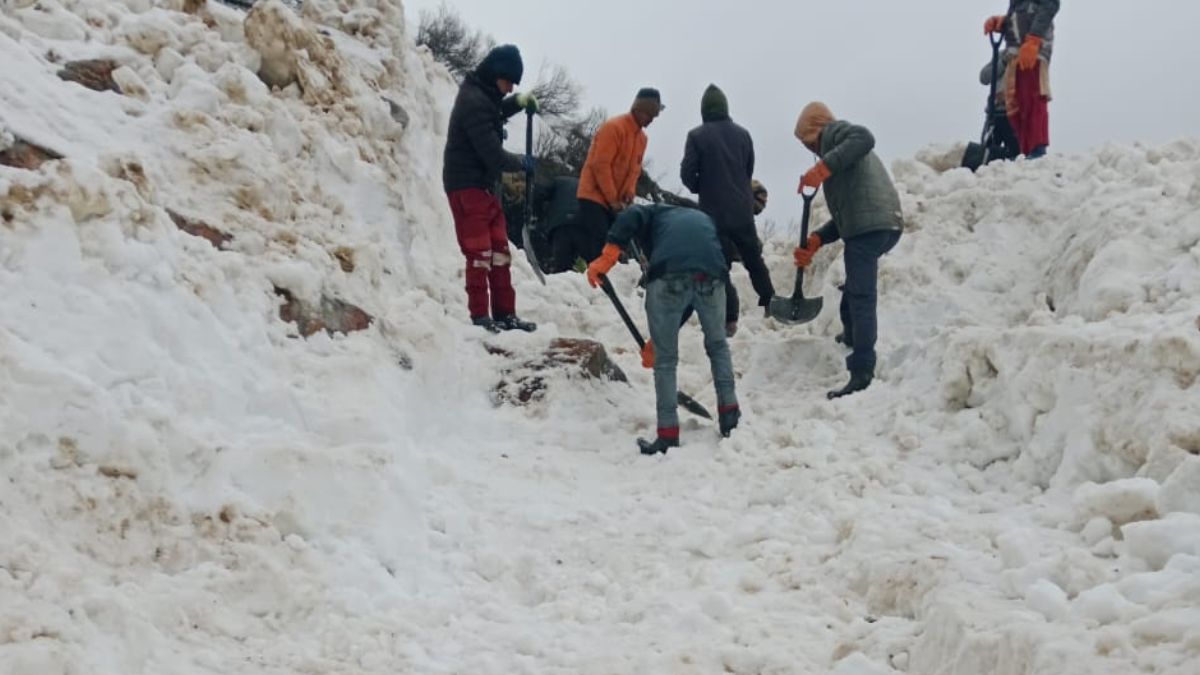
{"x":528,"y":163}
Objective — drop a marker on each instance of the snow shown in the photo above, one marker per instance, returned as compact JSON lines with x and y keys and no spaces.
{"x":192,"y":488}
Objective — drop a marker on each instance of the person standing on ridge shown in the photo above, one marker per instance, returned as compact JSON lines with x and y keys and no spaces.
{"x":1028,"y":29}
{"x":866,"y":217}
{"x":718,"y":165}
{"x":473,"y":160}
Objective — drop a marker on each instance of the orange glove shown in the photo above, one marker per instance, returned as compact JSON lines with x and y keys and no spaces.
{"x":814,"y":176}
{"x":600,"y":266}
{"x":1027,"y":58}
{"x":994,"y":24}
{"x":648,"y":354}
{"x":803,"y":255}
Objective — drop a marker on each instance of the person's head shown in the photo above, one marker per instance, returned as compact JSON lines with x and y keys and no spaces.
{"x":760,"y":196}
{"x":503,"y":67}
{"x":646,"y":106}
{"x":713,"y":104}
{"x":813,"y":119}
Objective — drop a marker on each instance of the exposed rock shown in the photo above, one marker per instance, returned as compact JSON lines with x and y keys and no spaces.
{"x":568,"y":358}
{"x":331,"y":316}
{"x":345,"y":258}
{"x":198,"y":229}
{"x":399,"y":114}
{"x":94,"y":74}
{"x":25,"y":155}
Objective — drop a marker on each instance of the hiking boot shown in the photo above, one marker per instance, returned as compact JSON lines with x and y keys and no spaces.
{"x":727,"y":419}
{"x":859,"y":380}
{"x":668,"y":437}
{"x":486,"y":323}
{"x":659,"y":446}
{"x":512,"y":322}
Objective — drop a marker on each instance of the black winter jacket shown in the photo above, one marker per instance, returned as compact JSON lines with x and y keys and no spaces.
{"x":475,"y":153}
{"x":718,"y":165}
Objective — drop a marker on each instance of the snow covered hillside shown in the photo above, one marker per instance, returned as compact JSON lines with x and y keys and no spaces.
{"x":188,"y":485}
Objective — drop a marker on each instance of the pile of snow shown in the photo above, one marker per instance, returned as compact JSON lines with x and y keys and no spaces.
{"x":191,"y":487}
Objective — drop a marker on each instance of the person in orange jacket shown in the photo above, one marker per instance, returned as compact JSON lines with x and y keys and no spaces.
{"x":608,"y":181}
{"x":1028,"y":29}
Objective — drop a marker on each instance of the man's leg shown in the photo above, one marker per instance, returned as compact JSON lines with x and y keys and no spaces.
{"x":862,"y":255}
{"x":733,"y":308}
{"x":745,"y":238}
{"x":666,"y":298}
{"x":847,"y":321}
{"x":708,"y":304}
{"x":592,"y":226}
{"x":475,"y":241}
{"x":504,"y":298}
{"x":1032,"y":122}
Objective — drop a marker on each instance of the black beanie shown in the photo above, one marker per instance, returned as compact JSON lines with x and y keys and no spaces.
{"x":503,"y":61}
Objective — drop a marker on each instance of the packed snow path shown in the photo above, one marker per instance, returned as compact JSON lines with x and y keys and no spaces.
{"x":187,"y":486}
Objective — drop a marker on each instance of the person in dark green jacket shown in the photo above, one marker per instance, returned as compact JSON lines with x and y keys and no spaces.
{"x":686,"y":269}
{"x":866,"y":216}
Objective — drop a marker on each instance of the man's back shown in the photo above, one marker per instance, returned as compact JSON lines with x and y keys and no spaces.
{"x":718,"y":165}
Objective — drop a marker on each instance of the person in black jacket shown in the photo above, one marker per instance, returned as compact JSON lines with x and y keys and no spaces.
{"x":718,"y":164}
{"x":473,"y":160}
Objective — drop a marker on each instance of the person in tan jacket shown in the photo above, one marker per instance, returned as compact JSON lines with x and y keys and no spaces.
{"x":608,"y":182}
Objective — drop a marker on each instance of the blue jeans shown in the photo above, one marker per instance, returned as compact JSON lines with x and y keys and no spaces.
{"x":860,"y":296}
{"x":666,"y":299}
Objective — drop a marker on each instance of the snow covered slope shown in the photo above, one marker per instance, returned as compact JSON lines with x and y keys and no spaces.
{"x":188,"y":486}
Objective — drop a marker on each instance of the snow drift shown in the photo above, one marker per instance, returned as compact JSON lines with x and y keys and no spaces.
{"x":191,"y":486}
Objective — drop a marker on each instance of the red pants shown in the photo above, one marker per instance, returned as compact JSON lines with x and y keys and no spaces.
{"x":483,"y":240}
{"x":1031,"y":122}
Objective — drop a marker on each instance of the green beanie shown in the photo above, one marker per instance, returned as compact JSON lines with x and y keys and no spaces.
{"x":713,"y":105}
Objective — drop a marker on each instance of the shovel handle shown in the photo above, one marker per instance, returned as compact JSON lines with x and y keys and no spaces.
{"x":798,"y":291}
{"x":608,"y":289}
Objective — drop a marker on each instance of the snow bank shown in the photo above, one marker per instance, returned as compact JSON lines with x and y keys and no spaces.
{"x":192,"y":487}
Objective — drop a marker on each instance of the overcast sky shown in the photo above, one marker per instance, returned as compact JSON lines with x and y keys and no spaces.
{"x":1123,"y":71}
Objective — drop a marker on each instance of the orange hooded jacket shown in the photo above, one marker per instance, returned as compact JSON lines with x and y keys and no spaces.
{"x":614,"y":162}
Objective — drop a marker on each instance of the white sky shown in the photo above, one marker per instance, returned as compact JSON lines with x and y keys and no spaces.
{"x":1123,"y":71}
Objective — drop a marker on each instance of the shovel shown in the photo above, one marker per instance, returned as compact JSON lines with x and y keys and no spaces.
{"x":686,"y":402}
{"x":527,"y":226}
{"x":798,"y":309}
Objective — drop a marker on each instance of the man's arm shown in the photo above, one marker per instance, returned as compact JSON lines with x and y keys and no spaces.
{"x":849,"y":143}
{"x":689,"y":168}
{"x":1044,"y":17}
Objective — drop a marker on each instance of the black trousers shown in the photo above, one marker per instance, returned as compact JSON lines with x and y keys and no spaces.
{"x":582,"y":239}
{"x":741,"y":242}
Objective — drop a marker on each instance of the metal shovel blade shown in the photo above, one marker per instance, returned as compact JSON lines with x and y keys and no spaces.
{"x":693,"y":406}
{"x":795,"y":310}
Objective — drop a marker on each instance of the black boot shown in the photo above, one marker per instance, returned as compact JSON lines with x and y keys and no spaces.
{"x":659,"y":446}
{"x":486,"y":323}
{"x":512,"y":322}
{"x":859,"y":380}
{"x":727,"y":419}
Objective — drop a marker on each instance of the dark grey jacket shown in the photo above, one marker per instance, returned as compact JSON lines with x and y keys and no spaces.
{"x":556,"y":203}
{"x":859,"y":192}
{"x":718,"y":165}
{"x":1027,"y":17}
{"x":475,"y":153}
{"x":675,"y":238}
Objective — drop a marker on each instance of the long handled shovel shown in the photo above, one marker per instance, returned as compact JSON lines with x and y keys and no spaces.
{"x":526,"y":236}
{"x":686,"y":402}
{"x":798,"y":309}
